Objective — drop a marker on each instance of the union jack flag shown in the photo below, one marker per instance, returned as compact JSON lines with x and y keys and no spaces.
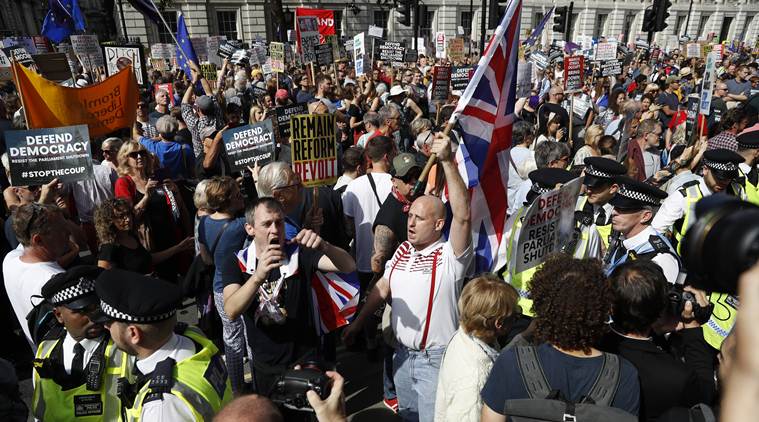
{"x":335,"y":299}
{"x":486,"y":114}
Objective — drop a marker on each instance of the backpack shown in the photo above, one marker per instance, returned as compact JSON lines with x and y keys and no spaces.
{"x":41,"y":321}
{"x":546,"y":405}
{"x":199,"y":277}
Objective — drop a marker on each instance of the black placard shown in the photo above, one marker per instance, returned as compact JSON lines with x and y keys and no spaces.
{"x":283,"y":117}
{"x":441,"y":81}
{"x":460,"y":76}
{"x":323,"y":54}
{"x":249,"y":144}
{"x":391,"y":51}
{"x":611,"y":68}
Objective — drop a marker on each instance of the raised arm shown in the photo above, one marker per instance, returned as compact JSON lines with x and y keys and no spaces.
{"x":460,"y":235}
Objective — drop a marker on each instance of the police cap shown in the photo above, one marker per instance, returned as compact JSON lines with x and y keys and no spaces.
{"x":723,"y":163}
{"x":601,"y":171}
{"x":749,"y":138}
{"x":130,"y":297}
{"x":74,"y":289}
{"x":545,"y":180}
{"x":635,"y":195}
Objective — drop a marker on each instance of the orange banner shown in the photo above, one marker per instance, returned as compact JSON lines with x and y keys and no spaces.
{"x":104,"y":107}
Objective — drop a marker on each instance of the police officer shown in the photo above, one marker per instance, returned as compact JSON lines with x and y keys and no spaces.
{"x":543,"y":180}
{"x":748,"y":148}
{"x":181,"y":375}
{"x":677,"y":213}
{"x":634,"y":207}
{"x":77,"y":372}
{"x":593,"y":211}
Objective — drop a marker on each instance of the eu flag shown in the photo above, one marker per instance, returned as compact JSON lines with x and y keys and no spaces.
{"x":147,"y":8}
{"x":184,"y":47}
{"x":63,"y":19}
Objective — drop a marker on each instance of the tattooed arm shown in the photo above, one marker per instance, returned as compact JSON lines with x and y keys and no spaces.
{"x":384,"y":246}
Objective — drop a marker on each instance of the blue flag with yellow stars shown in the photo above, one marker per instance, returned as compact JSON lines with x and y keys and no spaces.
{"x":184,"y":48}
{"x":63,"y":19}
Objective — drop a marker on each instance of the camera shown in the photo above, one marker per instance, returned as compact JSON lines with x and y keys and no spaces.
{"x":290,"y":389}
{"x":722,"y":243}
{"x":679,"y":297}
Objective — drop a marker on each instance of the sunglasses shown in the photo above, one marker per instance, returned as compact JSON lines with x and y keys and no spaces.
{"x":141,"y":153}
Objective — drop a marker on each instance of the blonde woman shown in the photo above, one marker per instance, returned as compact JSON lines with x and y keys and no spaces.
{"x":487,"y":306}
{"x":593,"y":135}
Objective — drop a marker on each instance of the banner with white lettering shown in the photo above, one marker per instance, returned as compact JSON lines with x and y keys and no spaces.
{"x":40,"y":155}
{"x":248,"y":145}
{"x":547,"y":226}
{"x":283,"y":117}
{"x":391,"y":51}
{"x":460,"y":76}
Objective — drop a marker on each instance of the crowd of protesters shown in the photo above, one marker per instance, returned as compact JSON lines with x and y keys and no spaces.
{"x":452,"y":344}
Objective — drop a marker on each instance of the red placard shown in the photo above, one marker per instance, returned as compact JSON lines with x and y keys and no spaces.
{"x":573,"y":73}
{"x":325,"y":18}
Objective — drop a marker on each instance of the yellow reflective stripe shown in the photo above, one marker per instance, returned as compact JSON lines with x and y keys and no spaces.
{"x":721,"y":322}
{"x":692,"y":195}
{"x":199,"y":405}
{"x":38,"y":401}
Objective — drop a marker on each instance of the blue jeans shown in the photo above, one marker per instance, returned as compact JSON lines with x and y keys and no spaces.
{"x":415,"y":374}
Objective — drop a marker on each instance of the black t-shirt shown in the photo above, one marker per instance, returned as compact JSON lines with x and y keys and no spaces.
{"x":545,"y":111}
{"x":155,"y":115}
{"x":279,"y":345}
{"x":355,"y":111}
{"x":391,"y":215}
{"x":184,"y":136}
{"x":137,"y":260}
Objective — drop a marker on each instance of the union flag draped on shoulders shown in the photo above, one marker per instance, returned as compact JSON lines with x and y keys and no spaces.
{"x":485,"y":114}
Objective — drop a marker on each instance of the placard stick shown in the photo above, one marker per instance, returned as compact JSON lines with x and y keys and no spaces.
{"x":15,"y":63}
{"x":422,"y":181}
{"x":313,"y":75}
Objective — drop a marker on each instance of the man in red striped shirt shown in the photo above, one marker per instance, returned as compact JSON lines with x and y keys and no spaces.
{"x":423,"y":281}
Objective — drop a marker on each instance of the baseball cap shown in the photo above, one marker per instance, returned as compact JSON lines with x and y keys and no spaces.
{"x":403,"y":163}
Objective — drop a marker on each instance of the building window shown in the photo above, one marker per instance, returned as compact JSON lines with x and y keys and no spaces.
{"x":598,"y":29}
{"x":627,"y":27}
{"x":702,"y":25}
{"x":425,"y":26}
{"x":338,"y":23}
{"x":749,"y":20}
{"x":725,"y":30}
{"x":380,"y":18}
{"x":227,"y":23}
{"x":466,"y":22}
{"x":680,"y":25}
{"x":164,"y":35}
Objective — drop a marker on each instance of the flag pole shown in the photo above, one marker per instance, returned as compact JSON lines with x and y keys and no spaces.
{"x":15,"y":63}
{"x":170,"y":31}
{"x":422,"y":180}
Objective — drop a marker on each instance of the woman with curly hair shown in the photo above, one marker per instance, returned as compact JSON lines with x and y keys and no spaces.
{"x":571,"y":302}
{"x":119,"y":244}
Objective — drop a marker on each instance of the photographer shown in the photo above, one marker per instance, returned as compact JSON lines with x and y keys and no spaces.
{"x":644,"y":308}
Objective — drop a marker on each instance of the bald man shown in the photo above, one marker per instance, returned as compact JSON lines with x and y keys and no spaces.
{"x":553,"y":105}
{"x":424,"y":279}
{"x":251,"y":408}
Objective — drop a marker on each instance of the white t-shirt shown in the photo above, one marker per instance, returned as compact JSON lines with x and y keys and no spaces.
{"x":171,"y":408}
{"x":519,"y":155}
{"x":360,"y":203}
{"x":22,"y":281}
{"x":410,"y":274}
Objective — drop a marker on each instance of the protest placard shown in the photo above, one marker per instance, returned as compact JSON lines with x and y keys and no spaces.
{"x":283,"y":117}
{"x":441,"y":81}
{"x":159,"y":64}
{"x":411,"y":56}
{"x":66,"y":49}
{"x":323,"y":55}
{"x":606,"y":51}
{"x":213,"y":43}
{"x":460,"y":76}
{"x":260,"y":52}
{"x":119,"y":57}
{"x":240,"y":57}
{"x":20,"y":55}
{"x":88,"y":50}
{"x":573,"y":69}
{"x":547,"y":226}
{"x":228,"y":48}
{"x":6,"y":73}
{"x":53,"y":66}
{"x":720,"y":50}
{"x":707,"y":85}
{"x":209,"y":71}
{"x":540,"y":59}
{"x":338,"y":48}
{"x":375,"y":31}
{"x":27,"y":43}
{"x":440,"y":45}
{"x":248,"y":145}
{"x":277,"y":52}
{"x":611,"y":68}
{"x":391,"y":51}
{"x":456,"y":49}
{"x":524,"y":79}
{"x":693,"y":50}
{"x":313,"y":146}
{"x":168,"y":87}
{"x":309,"y":37}
{"x":359,"y":49}
{"x":705,"y":49}
{"x":691,"y":116}
{"x":38,"y":156}
{"x":200,"y":45}
{"x":161,"y":51}
{"x":41,"y":44}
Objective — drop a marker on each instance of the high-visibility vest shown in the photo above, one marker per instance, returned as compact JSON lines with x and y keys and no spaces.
{"x":604,"y":232}
{"x":750,"y":190}
{"x":200,"y":381}
{"x":50,"y":402}
{"x":692,"y":194}
{"x":721,"y":322}
{"x":520,"y":281}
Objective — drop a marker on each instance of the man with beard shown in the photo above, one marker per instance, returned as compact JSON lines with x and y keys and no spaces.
{"x":76,"y":371}
{"x":324,"y":92}
{"x":677,"y":212}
